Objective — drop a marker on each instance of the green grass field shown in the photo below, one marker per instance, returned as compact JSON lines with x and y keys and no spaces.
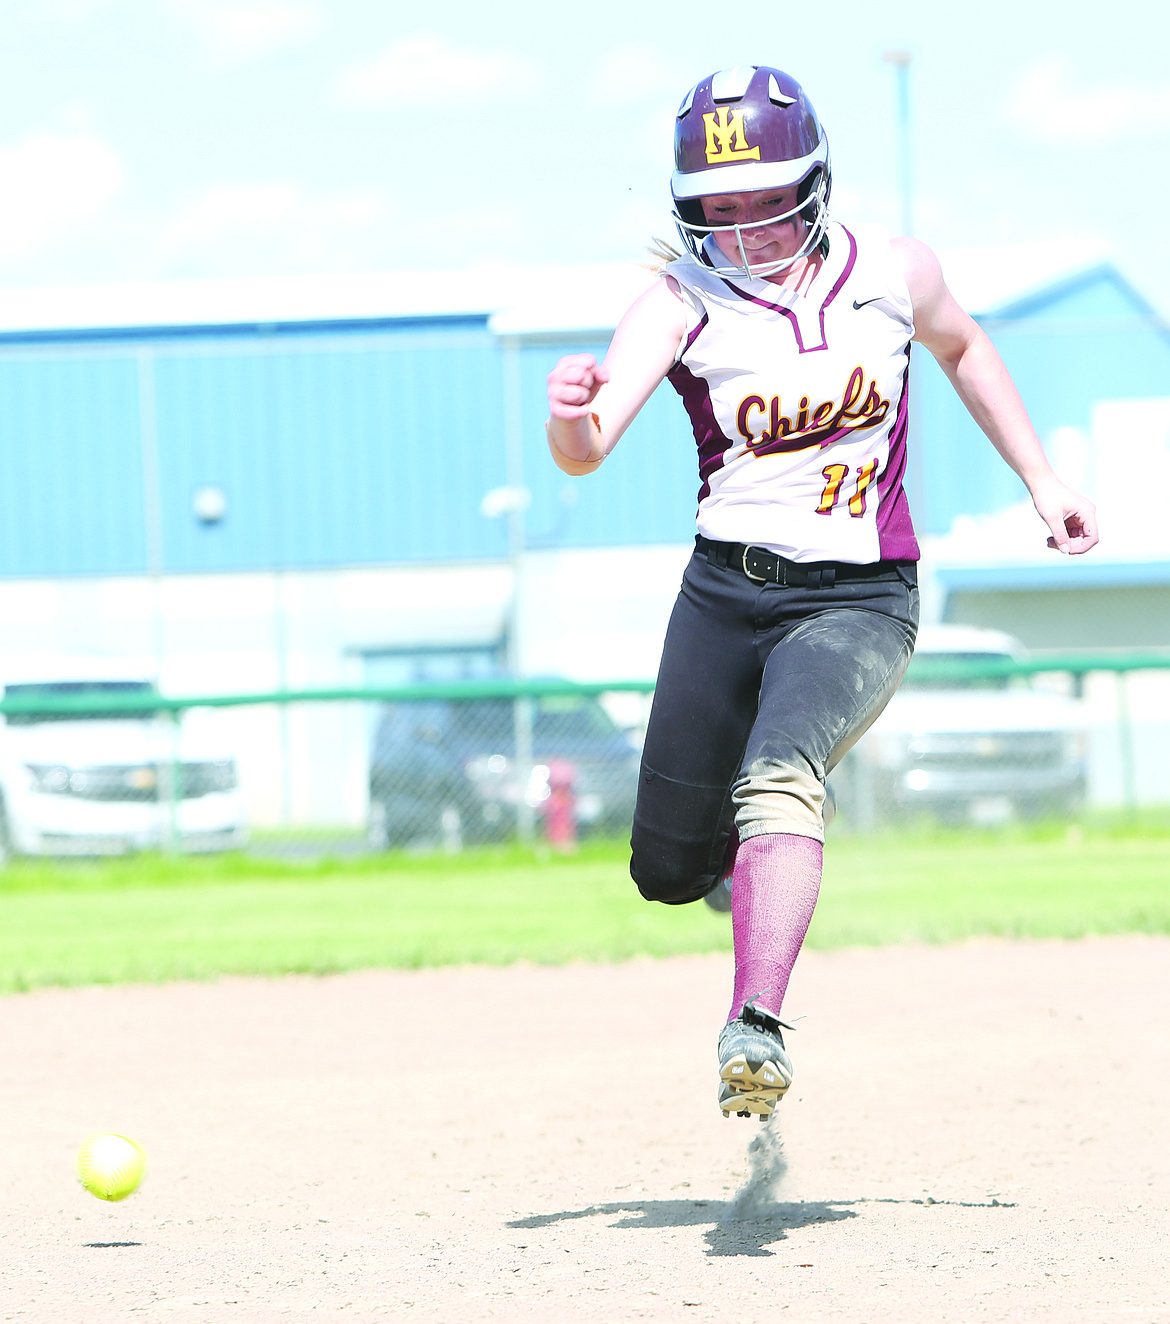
{"x":151,"y":919}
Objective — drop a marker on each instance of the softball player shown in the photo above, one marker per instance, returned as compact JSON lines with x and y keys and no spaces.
{"x":787,"y":335}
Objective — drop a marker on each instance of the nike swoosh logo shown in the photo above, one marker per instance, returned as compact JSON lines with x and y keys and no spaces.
{"x":862,"y":304}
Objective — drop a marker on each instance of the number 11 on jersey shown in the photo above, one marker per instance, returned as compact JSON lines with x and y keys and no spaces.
{"x":835,"y":475}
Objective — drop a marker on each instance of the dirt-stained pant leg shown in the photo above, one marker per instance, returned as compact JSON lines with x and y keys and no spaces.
{"x":761,"y":688}
{"x":705,"y":702}
{"x":825,"y":682}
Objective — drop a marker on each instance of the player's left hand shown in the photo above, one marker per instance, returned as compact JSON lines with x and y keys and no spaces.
{"x":1071,"y":518}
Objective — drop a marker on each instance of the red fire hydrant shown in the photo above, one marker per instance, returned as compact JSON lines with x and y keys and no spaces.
{"x":560,"y":809}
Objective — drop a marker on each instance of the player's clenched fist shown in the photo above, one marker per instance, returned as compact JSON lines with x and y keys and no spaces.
{"x":572,"y":385}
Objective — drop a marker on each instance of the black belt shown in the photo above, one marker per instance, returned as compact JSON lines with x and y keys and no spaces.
{"x":764,"y":567}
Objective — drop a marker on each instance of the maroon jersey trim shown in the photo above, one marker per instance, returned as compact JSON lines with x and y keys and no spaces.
{"x":850,"y":262}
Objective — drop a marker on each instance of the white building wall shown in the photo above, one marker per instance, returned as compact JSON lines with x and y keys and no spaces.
{"x":584,"y":615}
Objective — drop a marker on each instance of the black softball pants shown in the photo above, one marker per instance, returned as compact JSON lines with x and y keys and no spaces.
{"x":761,"y":690}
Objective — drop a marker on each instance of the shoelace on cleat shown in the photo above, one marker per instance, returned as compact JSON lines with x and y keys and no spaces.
{"x":760,"y":1018}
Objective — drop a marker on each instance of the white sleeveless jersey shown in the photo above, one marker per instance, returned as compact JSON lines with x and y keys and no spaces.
{"x":799,"y":404}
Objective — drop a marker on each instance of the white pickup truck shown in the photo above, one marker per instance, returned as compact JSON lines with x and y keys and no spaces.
{"x":101,"y":782}
{"x":975,"y":748}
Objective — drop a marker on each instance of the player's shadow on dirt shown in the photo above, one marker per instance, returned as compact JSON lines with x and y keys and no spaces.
{"x":728,"y":1232}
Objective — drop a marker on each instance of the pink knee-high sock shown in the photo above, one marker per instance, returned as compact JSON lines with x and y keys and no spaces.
{"x":774,"y":891}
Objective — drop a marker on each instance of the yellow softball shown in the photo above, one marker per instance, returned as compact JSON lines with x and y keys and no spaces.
{"x":110,"y":1166}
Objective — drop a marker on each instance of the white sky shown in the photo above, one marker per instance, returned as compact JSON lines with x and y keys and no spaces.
{"x":156,"y":139}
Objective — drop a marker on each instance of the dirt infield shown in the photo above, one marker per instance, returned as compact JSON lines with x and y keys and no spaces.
{"x":975,"y":1133}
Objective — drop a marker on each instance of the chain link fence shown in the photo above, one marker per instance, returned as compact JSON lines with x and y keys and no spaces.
{"x":114,"y":768}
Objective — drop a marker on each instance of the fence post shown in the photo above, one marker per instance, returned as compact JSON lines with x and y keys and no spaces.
{"x":522,"y":725}
{"x":169,"y":788}
{"x":1125,"y":742}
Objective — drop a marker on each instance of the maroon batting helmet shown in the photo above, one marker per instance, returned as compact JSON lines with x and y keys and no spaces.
{"x":743,"y":129}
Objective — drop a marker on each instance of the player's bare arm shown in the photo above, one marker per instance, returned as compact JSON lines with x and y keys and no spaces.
{"x":972,"y":363}
{"x":592,"y":404}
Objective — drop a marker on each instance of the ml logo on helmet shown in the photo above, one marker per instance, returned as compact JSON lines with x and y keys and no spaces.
{"x":727,"y":138}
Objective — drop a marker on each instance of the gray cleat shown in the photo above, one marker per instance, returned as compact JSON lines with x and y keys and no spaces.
{"x":754,"y":1069}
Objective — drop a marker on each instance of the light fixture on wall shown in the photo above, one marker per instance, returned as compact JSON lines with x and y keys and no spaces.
{"x":209,"y":503}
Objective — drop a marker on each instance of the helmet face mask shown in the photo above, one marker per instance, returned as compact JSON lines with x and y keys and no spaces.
{"x":744,"y":130}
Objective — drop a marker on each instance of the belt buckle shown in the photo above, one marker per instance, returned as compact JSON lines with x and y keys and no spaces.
{"x":756,"y":579}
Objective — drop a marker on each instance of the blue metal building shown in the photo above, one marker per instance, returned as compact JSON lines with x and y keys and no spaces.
{"x":342,"y":442}
{"x":1086,"y":338}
